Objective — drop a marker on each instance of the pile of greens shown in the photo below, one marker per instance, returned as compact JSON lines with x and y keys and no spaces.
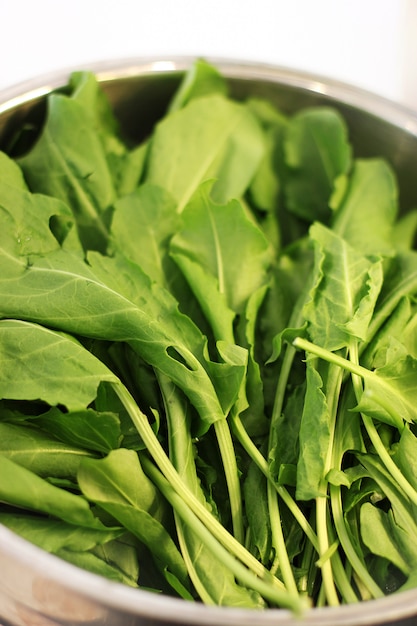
{"x":208,"y":351}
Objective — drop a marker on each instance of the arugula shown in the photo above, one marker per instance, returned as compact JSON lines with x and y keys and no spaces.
{"x":208,"y":348}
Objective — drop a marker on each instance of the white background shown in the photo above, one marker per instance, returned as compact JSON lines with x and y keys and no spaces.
{"x":368,"y":43}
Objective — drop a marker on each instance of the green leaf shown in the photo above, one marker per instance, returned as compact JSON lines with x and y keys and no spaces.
{"x":213,"y":581}
{"x":375,"y":354}
{"x":229,"y":148}
{"x":267,"y":183}
{"x":404,"y":231}
{"x":42,"y":454}
{"x":256,"y":506}
{"x":26,"y":221}
{"x":400,"y":279}
{"x":317,"y":152}
{"x":201,"y":79}
{"x":205,"y":288}
{"x":405,"y":455}
{"x":346,"y":288}
{"x":253,"y":416}
{"x":22,"y":488}
{"x":404,"y":511}
{"x":119,"y":486}
{"x":124,"y":555}
{"x":106,"y":552}
{"x":209,"y":235}
{"x":371,"y":198}
{"x":10,"y":172}
{"x":142,"y":225}
{"x":284,"y":440}
{"x":91,"y":430}
{"x":86,"y":91}
{"x":113,"y":299}
{"x":378,"y":534}
{"x":68,"y":162}
{"x":389,"y":390}
{"x":97,"y":564}
{"x":39,"y":364}
{"x":337,"y":478}
{"x":131,"y":169}
{"x":314,"y":437}
{"x":389,"y":393}
{"x":53,"y":535}
{"x":171,"y":342}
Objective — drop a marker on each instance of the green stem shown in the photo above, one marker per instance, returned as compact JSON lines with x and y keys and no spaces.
{"x":333,"y":386}
{"x":308,"y":565}
{"x":157,"y":452}
{"x":227,"y":452}
{"x":278,"y":541}
{"x":343,"y":534}
{"x":342,"y":580}
{"x":276,"y":525}
{"x":290,"y":352}
{"x":303,"y":344}
{"x":387,"y":460}
{"x":346,"y":543}
{"x":270,"y":592}
{"x":380,"y":449}
{"x":354,"y":369}
{"x":262,"y":464}
{"x":326,"y":567}
{"x":201,"y":590}
{"x":182,"y":457}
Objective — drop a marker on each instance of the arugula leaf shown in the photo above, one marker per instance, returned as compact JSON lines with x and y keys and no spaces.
{"x":371,"y":197}
{"x":11,"y":172}
{"x":256,"y":501}
{"x":266,"y":186}
{"x":317,"y":152}
{"x":389,"y":393}
{"x":99,"y":431}
{"x":97,"y":561}
{"x":133,"y":310}
{"x":26,"y":221}
{"x":207,"y":236}
{"x":68,"y":162}
{"x":42,"y":454}
{"x":229,"y":148}
{"x":142,"y":225}
{"x":345,"y":292}
{"x":200,"y":80}
{"x":39,"y":364}
{"x":311,"y":465}
{"x":378,"y":533}
{"x":22,"y":488}
{"x":405,"y":455}
{"x":119,"y":486}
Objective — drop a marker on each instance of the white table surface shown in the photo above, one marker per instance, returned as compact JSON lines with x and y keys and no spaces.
{"x":368,"y":43}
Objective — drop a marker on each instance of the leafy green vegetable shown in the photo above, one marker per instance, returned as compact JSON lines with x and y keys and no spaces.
{"x":208,"y":348}
{"x":118,"y":485}
{"x":229,"y":148}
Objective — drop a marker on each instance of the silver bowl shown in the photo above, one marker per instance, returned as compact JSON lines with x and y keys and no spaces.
{"x":38,"y":589}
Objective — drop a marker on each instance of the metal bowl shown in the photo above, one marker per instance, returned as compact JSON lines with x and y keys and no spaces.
{"x":38,"y":589}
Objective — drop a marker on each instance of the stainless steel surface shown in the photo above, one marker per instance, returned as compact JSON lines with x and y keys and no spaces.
{"x":37,"y":589}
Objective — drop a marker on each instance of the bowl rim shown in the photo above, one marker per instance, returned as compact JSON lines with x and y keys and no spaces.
{"x":112,"y":595}
{"x":108,"y":70}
